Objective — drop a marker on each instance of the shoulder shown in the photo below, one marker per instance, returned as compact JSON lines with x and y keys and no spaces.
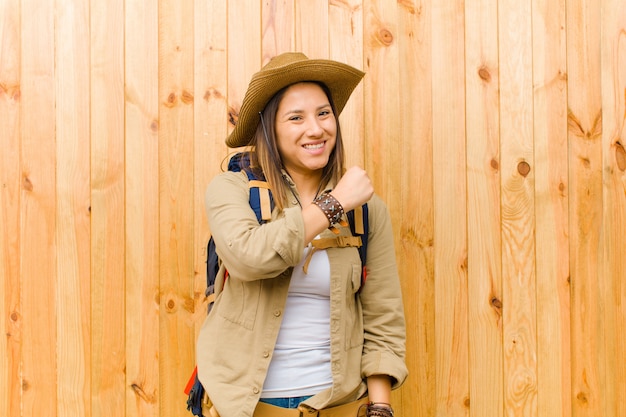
{"x":227,"y":180}
{"x":226,"y":186}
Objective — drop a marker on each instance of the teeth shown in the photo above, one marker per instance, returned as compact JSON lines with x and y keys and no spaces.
{"x":318,"y":146}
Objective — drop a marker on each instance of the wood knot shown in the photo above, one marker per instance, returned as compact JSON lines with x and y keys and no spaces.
{"x":496,"y":303}
{"x":170,"y":305}
{"x":582,"y":398}
{"x":495,"y":164}
{"x":171,"y":100}
{"x":523,"y":168}
{"x":233,"y":116}
{"x":620,"y":156}
{"x":27,"y":184}
{"x":154,"y":126}
{"x":186,"y":97}
{"x":484,"y":74}
{"x":14,"y":316}
{"x":139,"y":392}
{"x":385,"y":36}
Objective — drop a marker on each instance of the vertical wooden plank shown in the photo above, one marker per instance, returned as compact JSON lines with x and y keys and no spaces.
{"x":176,"y":205}
{"x":381,"y":98}
{"x":141,"y":208}
{"x":613,"y":270}
{"x":312,"y":36}
{"x":483,"y":208}
{"x":585,"y":204}
{"x":38,"y":248}
{"x":414,"y":245}
{"x":73,"y":207}
{"x":551,"y":190}
{"x":346,"y":31}
{"x":450,"y":193}
{"x":10,"y":39}
{"x":277,"y":28}
{"x":518,"y":224}
{"x":108,"y":356}
{"x":244,"y":52}
{"x":211,"y":127}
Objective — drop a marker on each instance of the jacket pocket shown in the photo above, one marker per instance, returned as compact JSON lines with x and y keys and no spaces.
{"x":354,"y":316}
{"x":240,"y":301}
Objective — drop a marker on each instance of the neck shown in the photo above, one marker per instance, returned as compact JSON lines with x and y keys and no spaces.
{"x":308,"y":186}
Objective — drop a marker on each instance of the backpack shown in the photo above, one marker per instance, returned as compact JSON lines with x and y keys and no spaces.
{"x":262,"y":203}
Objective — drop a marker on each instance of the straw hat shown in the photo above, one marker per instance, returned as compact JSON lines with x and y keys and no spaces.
{"x":284,"y":70}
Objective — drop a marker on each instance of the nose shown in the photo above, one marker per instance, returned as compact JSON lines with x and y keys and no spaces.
{"x":314,"y":128}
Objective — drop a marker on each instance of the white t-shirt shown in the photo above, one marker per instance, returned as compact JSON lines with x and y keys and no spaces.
{"x":301,"y":361}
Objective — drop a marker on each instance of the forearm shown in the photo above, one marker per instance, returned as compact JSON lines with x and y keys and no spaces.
{"x":379,"y":388}
{"x":315,"y":222}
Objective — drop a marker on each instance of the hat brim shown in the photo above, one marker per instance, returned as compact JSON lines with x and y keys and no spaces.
{"x":341,"y":80}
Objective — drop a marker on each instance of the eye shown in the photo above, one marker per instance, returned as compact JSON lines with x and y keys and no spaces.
{"x":295,"y":118}
{"x":324,"y":113}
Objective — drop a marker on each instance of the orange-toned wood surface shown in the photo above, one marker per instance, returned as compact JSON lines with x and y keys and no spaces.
{"x":494,"y":132}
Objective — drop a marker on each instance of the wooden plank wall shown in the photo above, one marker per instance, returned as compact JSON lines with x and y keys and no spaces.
{"x":495,"y":131}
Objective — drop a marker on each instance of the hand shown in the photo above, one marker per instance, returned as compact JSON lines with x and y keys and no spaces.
{"x":354,"y":188}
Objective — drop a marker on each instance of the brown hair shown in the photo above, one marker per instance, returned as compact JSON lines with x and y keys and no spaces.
{"x":265,"y":158}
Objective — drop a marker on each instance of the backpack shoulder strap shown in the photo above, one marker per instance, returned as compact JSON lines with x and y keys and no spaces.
{"x":261,"y":200}
{"x":359,"y":225}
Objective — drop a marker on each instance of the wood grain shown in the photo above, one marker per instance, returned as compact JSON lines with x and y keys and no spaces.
{"x":108,"y":342}
{"x":176,"y":203}
{"x":142,"y":291}
{"x":450,"y":205}
{"x":495,"y":134}
{"x":73,"y":237}
{"x":518,"y":209}
{"x":38,"y":202}
{"x":551,"y":199}
{"x":244,"y":52}
{"x":483,"y":212}
{"x":585,"y":206}
{"x":278,"y":28}
{"x":10,"y":135}
{"x":345,"y":25}
{"x":415,"y":243}
{"x":210,"y":128}
{"x":311,"y":28}
{"x":613,"y":240}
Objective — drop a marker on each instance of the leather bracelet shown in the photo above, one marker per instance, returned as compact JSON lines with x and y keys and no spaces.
{"x":379,"y":410}
{"x":331,"y":207}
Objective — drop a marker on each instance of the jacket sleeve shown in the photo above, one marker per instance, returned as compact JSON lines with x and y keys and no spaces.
{"x":249,"y":250}
{"x":381,"y":298}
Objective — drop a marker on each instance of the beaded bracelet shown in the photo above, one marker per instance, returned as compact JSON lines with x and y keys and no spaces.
{"x":332,"y":209}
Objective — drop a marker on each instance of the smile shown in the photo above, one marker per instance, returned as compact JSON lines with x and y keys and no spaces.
{"x":314,"y":146}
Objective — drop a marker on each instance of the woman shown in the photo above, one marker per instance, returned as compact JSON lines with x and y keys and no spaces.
{"x":293,"y":329}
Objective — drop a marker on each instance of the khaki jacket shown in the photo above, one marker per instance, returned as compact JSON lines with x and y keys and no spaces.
{"x":237,"y":339}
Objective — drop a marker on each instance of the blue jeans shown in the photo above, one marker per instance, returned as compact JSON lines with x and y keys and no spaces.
{"x":292,"y":402}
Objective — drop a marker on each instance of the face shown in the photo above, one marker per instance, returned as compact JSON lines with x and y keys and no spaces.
{"x":306,"y":129}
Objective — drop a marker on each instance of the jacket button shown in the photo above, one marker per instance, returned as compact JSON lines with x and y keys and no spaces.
{"x":266,"y":354}
{"x":276,"y":313}
{"x":255,"y":390}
